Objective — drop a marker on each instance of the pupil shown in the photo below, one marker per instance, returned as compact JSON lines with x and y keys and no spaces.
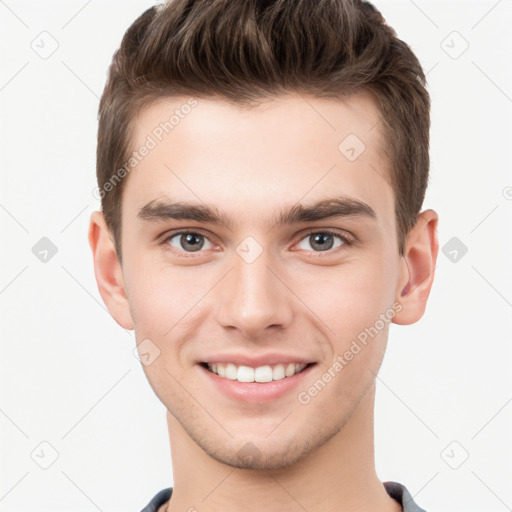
{"x":323,"y":241}
{"x":193,"y":241}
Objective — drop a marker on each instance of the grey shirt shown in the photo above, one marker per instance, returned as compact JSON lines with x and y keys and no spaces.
{"x":394,"y":489}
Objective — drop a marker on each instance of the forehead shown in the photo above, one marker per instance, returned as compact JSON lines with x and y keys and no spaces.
{"x":250,"y":161}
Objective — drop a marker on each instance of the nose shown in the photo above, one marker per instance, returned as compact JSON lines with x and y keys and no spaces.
{"x":253,"y":298}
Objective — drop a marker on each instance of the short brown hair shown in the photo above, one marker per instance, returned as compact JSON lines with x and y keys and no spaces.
{"x":248,"y":50}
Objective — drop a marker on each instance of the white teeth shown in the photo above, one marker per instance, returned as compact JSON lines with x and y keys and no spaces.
{"x":245,"y":374}
{"x":265,"y":373}
{"x":231,"y":371}
{"x":290,"y":370}
{"x":278,"y":372}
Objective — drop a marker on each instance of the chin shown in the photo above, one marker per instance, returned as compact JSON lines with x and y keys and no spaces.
{"x":251,"y":457}
{"x":264,"y":453}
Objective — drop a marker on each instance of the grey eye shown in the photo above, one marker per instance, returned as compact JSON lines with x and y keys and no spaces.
{"x":320,"y":241}
{"x":189,"y":242}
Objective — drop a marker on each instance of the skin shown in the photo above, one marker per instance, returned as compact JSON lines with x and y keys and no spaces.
{"x":250,"y":164}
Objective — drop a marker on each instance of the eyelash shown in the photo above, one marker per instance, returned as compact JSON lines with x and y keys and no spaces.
{"x":347,"y":240}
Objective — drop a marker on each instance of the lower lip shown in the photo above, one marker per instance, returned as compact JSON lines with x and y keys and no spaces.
{"x":256,"y":392}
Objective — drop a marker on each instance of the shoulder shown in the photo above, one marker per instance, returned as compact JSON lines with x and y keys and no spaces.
{"x":158,"y":500}
{"x":400,"y":493}
{"x":396,"y":490}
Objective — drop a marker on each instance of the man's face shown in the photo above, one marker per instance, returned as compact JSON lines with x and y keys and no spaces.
{"x":262,"y":287}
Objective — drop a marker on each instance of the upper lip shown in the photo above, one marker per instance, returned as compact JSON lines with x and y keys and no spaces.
{"x":255,"y":361}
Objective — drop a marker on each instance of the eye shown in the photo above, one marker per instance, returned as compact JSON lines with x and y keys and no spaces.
{"x":188,"y":241}
{"x":322,"y":241}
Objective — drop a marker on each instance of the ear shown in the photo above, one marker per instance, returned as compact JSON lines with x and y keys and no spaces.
{"x":108,"y":271}
{"x":417,"y":268}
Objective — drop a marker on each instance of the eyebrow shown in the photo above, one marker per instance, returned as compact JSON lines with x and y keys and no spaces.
{"x":164,"y":209}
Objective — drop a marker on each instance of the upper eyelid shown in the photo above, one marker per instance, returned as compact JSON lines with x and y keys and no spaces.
{"x":171,"y":234}
{"x":345,"y":235}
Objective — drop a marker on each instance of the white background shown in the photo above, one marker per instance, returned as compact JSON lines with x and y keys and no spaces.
{"x":68,"y":376}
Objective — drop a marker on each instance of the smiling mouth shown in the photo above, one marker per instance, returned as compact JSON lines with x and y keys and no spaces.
{"x":262,"y":374}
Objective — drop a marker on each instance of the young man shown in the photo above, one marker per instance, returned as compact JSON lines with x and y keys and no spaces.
{"x":262,"y":166}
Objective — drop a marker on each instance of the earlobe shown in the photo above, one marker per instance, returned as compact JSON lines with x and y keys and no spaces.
{"x":108,"y":271}
{"x":418,"y":266}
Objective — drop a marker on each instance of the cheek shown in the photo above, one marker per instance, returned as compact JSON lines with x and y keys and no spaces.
{"x":163,"y":302}
{"x":349,"y":297}
{"x":161,"y":297}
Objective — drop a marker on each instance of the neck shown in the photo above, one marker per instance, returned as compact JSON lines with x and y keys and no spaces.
{"x":338,"y":476}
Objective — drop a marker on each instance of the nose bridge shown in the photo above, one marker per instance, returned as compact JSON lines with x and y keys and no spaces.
{"x":252,"y":297}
